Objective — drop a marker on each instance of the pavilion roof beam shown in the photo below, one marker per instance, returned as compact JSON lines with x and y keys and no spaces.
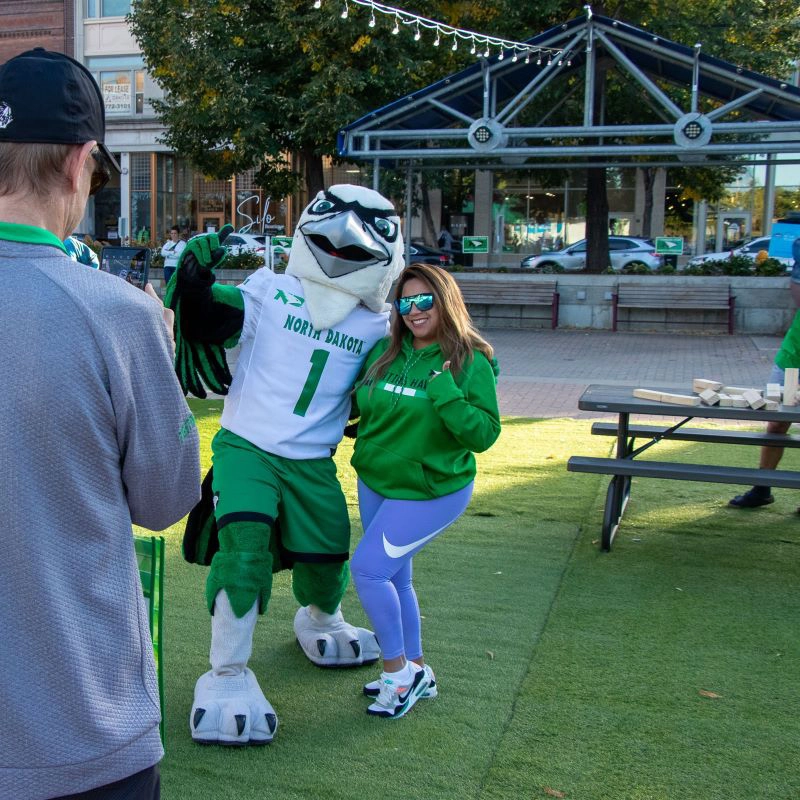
{"x":734,"y":104}
{"x":640,"y":76}
{"x":535,"y":86}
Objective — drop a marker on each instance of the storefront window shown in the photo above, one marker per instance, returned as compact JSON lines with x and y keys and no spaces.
{"x":117,"y":94}
{"x":107,"y":8}
{"x":140,"y":197}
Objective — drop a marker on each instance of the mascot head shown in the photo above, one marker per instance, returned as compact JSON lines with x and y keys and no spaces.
{"x":347,"y":249}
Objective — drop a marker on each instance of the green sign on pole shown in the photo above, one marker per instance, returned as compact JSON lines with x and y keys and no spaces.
{"x":475,"y":244}
{"x":282,"y":241}
{"x":669,"y":245}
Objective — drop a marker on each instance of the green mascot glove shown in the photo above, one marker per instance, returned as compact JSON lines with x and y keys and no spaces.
{"x":202,"y":324}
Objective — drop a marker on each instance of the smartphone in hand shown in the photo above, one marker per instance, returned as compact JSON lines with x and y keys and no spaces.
{"x":132,"y":264}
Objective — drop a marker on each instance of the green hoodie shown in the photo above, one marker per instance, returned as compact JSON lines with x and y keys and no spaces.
{"x":418,"y":431}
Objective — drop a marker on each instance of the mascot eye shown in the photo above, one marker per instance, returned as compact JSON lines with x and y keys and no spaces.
{"x":321,"y":206}
{"x":385,"y":227}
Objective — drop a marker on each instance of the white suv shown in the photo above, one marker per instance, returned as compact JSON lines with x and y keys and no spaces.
{"x":750,"y":250}
{"x":622,"y":250}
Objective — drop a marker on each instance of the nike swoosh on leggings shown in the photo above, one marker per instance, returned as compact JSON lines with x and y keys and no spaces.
{"x":393,"y":551}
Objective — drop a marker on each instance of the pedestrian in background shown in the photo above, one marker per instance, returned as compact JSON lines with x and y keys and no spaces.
{"x":171,"y":251}
{"x":96,"y":436}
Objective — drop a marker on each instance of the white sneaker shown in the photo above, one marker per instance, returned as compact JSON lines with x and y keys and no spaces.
{"x":373,"y":688}
{"x":394,"y":700}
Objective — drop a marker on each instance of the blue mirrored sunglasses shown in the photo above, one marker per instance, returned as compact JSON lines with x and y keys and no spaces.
{"x":422,"y":301}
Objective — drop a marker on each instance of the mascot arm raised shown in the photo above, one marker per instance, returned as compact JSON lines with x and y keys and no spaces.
{"x":208,"y":316}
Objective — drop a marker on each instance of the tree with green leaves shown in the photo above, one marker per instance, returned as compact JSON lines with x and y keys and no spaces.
{"x":248,"y":82}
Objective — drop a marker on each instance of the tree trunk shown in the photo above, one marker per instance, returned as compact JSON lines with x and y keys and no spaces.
{"x":649,"y":179}
{"x":312,"y":170}
{"x":429,"y":231}
{"x":596,"y":220}
{"x":597,"y":259}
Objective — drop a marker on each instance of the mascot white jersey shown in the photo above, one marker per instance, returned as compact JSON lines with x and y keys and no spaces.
{"x":272,"y":500}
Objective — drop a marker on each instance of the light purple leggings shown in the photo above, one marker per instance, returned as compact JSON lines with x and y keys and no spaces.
{"x":394,"y":532}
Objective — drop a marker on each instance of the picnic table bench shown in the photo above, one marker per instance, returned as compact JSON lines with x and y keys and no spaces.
{"x":512,"y":293}
{"x":672,"y":298}
{"x":624,"y":466}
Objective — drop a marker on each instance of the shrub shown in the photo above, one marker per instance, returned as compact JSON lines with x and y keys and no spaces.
{"x":548,"y":269}
{"x":244,"y":261}
{"x":636,"y":269}
{"x":770,"y":268}
{"x":737,"y":265}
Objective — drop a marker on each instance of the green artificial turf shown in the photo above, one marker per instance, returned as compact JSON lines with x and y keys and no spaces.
{"x":562,"y":670}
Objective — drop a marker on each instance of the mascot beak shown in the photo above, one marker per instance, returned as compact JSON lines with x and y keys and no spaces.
{"x":343,"y":243}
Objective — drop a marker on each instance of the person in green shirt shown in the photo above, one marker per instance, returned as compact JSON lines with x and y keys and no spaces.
{"x":427,"y":401}
{"x":788,"y":356}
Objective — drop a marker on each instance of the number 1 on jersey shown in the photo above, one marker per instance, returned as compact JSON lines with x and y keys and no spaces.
{"x":318,"y":360}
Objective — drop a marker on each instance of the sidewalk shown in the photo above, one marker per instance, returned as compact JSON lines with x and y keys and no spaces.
{"x":544,"y":372}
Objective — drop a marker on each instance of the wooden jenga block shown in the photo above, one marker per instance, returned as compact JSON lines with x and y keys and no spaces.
{"x":773,"y":392}
{"x":709,"y":397}
{"x":754,"y":398}
{"x":680,"y":399}
{"x":790,"y":376}
{"x":738,"y":401}
{"x":771,"y":405}
{"x":699,"y":385}
{"x":734,"y":390}
{"x":725,"y":400}
{"x":647,"y":394}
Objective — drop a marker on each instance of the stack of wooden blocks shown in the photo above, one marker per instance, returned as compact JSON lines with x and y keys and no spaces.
{"x":712,"y":393}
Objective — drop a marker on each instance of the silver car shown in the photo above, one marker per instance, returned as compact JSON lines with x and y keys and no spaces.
{"x":622,"y":250}
{"x":749,"y":250}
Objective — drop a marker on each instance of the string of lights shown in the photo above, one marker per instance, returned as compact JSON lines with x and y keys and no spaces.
{"x":480,"y":44}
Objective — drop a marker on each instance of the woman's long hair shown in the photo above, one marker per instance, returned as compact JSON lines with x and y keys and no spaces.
{"x":456,"y":334}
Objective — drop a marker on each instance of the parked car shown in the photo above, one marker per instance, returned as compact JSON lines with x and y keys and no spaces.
{"x":749,"y":250}
{"x":622,"y":250}
{"x":238,"y":243}
{"x":427,"y":255}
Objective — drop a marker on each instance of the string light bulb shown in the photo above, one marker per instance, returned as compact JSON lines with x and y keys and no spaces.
{"x":477,"y":41}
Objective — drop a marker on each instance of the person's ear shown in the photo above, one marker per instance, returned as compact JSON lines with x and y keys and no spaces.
{"x":76,"y":163}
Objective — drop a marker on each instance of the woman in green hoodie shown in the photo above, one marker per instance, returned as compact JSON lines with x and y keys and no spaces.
{"x":427,"y":401}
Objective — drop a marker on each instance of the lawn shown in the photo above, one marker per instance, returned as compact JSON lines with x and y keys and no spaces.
{"x":667,"y":668}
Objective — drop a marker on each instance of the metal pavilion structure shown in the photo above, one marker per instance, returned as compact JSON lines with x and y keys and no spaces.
{"x":493,"y":115}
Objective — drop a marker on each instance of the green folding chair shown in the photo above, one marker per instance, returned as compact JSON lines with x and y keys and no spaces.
{"x":150,"y":557}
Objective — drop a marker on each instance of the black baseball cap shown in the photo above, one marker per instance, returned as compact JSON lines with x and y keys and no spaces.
{"x":50,"y":98}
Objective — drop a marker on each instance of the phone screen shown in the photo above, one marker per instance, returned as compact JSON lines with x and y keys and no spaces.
{"x":129,"y":263}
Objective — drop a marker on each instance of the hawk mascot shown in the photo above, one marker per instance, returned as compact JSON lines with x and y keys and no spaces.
{"x":272,"y":499}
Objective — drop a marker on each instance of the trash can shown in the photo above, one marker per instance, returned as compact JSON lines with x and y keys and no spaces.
{"x":671,"y":260}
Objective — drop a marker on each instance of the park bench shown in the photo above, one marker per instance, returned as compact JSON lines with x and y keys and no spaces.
{"x":668,"y":299}
{"x":507,"y":298}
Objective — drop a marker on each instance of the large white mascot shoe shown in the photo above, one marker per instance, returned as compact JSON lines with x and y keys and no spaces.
{"x":329,"y":641}
{"x":229,"y":707}
{"x":231,"y":710}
